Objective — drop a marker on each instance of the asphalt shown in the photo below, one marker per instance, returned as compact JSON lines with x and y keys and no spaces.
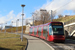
{"x":37,"y":44}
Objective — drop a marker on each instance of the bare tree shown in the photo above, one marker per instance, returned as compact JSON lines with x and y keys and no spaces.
{"x":60,"y":16}
{"x":43,"y":16}
{"x":46,"y":16}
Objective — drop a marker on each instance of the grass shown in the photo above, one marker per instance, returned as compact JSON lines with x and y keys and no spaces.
{"x":8,"y":43}
{"x":14,"y":29}
{"x":3,"y":35}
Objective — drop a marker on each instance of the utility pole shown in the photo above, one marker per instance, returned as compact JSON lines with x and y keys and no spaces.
{"x":51,"y":16}
{"x":33,"y":20}
{"x":43,"y":19}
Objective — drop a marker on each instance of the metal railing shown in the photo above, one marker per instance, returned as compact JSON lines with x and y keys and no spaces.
{"x":68,"y":22}
{"x":72,"y":28}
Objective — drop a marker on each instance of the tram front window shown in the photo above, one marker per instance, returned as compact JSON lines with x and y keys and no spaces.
{"x":57,"y":30}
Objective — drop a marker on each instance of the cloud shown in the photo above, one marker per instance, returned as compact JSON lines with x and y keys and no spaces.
{"x":11,"y":17}
{"x":19,"y":16}
{"x":2,"y":20}
{"x":30,"y":19}
{"x":60,"y":5}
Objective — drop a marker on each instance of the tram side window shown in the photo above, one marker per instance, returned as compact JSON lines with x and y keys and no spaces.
{"x":31,"y":29}
{"x":47,"y":28}
{"x":44,"y":30}
{"x":39,"y":31}
{"x":35,"y":31}
{"x":50,"y":30}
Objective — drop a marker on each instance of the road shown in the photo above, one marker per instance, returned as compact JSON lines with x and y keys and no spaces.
{"x":37,"y":44}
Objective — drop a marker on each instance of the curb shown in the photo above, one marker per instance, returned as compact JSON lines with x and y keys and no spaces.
{"x":27,"y":44}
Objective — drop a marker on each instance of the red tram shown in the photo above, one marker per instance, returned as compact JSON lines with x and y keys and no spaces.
{"x":52,"y":31}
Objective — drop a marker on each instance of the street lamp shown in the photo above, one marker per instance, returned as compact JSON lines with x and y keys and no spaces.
{"x":5,"y":27}
{"x":22,"y":21}
{"x":1,"y":26}
{"x":11,"y":26}
{"x":16,"y":25}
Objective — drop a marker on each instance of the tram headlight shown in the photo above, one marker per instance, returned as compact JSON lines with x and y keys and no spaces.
{"x":63,"y":36}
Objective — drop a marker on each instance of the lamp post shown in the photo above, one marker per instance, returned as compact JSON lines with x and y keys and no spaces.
{"x":16,"y":25}
{"x":22,"y":21}
{"x":5,"y":27}
{"x":11,"y":26}
{"x":1,"y":27}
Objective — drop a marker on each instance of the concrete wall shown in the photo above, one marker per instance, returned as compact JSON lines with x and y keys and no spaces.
{"x":27,"y":29}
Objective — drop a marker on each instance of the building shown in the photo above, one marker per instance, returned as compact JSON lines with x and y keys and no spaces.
{"x":7,"y":27}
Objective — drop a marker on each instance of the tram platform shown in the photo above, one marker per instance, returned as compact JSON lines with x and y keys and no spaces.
{"x":36,"y":44}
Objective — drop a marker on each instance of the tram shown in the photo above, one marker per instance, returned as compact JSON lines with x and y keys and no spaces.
{"x":52,"y":31}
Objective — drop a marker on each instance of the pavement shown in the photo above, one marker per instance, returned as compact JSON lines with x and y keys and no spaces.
{"x":37,"y":44}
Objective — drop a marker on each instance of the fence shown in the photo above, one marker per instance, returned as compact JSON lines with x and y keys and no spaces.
{"x":68,"y":22}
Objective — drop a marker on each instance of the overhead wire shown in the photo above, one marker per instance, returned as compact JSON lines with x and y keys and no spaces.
{"x":63,"y":5}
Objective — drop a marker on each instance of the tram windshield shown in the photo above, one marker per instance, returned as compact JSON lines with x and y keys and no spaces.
{"x":57,"y":29}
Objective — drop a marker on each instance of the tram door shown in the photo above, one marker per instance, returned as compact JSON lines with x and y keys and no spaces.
{"x":45,"y":31}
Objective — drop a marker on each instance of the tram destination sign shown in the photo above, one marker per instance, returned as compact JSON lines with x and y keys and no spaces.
{"x":56,"y":23}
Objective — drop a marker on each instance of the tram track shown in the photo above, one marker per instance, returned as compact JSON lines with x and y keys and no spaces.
{"x":67,"y":45}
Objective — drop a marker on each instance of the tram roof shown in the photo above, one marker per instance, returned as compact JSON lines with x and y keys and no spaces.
{"x":44,"y":24}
